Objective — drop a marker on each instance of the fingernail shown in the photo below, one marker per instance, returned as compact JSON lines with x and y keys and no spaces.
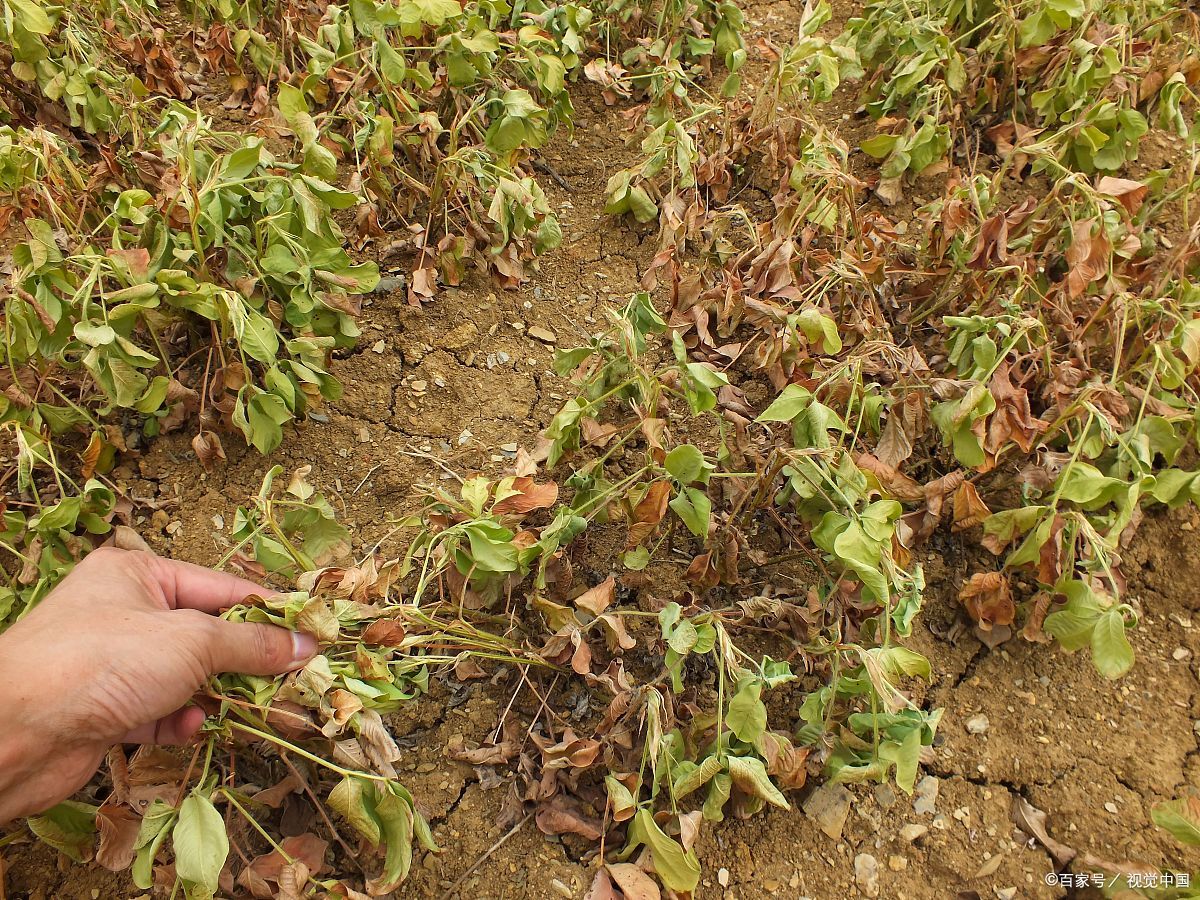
{"x":304,"y":647}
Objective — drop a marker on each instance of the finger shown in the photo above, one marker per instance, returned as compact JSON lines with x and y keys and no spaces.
{"x":188,"y":586}
{"x":256,"y":649}
{"x":177,"y":728}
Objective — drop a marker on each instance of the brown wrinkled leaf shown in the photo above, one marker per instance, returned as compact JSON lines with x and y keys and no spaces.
{"x":615,"y":634}
{"x":276,"y":794}
{"x":634,"y":883}
{"x":563,"y":815}
{"x":596,"y":434}
{"x":1032,"y":821}
{"x":384,"y":633}
{"x":1129,"y":194}
{"x":988,"y":599}
{"x":125,"y":538}
{"x":896,"y":484}
{"x":1087,"y":257}
{"x":118,"y":828}
{"x":207,"y":447}
{"x":597,"y":599}
{"x":785,"y":761}
{"x":649,"y":512}
{"x":1012,"y":420}
{"x":495,"y":755}
{"x":969,"y":508}
{"x":91,"y":455}
{"x":602,"y":887}
{"x":905,"y":423}
{"x":991,"y":247}
{"x":466,"y":668}
{"x":530,"y":496}
{"x":571,"y":752}
{"x":1033,"y":625}
{"x":308,"y":852}
{"x":689,"y":828}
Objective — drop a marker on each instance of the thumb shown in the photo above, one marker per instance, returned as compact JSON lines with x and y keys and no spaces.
{"x":251,"y":648}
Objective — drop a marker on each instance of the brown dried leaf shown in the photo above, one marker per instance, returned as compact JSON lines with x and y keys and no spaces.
{"x":1012,"y":420}
{"x":987,"y":597}
{"x":276,"y":794}
{"x":384,"y":633}
{"x":1129,"y":194}
{"x":896,"y":484}
{"x":602,"y":887}
{"x":207,"y":447}
{"x":649,"y":512}
{"x":466,"y":668}
{"x":969,"y":508}
{"x":991,"y":247}
{"x":530,"y":496}
{"x":634,"y":883}
{"x":495,"y":755}
{"x":597,"y":599}
{"x":906,"y":422}
{"x":1087,"y":257}
{"x":1032,"y":821}
{"x":1033,"y":625}
{"x":118,"y":828}
{"x":571,"y":752}
{"x":563,"y":815}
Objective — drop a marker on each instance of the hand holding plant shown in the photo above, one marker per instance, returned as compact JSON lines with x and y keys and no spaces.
{"x":112,"y":655}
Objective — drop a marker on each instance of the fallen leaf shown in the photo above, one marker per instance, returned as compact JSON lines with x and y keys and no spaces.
{"x":597,"y":599}
{"x":988,"y":599}
{"x":562,"y":815}
{"x":634,"y":883}
{"x":602,"y":886}
{"x":1032,"y":821}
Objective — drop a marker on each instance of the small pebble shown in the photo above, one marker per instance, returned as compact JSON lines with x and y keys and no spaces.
{"x":1111,"y":807}
{"x":914,"y":832}
{"x":723,"y":877}
{"x":978,"y":724}
{"x":866,"y":874}
{"x":1181,"y":653}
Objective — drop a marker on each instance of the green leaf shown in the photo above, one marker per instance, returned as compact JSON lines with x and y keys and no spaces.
{"x":688,"y":776}
{"x":719,"y":790}
{"x":749,"y":774}
{"x":685,"y":463}
{"x":637,"y":558}
{"x":153,"y":831}
{"x":492,"y":549}
{"x":678,"y":869}
{"x":682,"y":638}
{"x":200,"y":844}
{"x":694,"y":508}
{"x":352,"y":800}
{"x":790,"y":403}
{"x":905,"y":754}
{"x":94,"y":335}
{"x":1181,"y":818}
{"x":747,"y":714}
{"x":1111,"y":652}
{"x":69,"y":827}
{"x":395,"y":813}
{"x":31,"y":16}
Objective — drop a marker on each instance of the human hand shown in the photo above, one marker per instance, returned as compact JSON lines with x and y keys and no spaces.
{"x":114,"y":654}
